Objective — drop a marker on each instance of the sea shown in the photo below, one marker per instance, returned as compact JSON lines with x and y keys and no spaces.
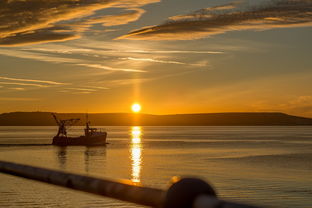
{"x":268,"y":166}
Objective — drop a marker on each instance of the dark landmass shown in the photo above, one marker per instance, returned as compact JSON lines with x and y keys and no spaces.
{"x":127,"y":119}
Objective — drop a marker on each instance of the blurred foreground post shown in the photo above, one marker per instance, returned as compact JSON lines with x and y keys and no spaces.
{"x":186,"y":193}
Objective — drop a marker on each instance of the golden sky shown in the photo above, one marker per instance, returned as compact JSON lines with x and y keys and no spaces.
{"x":174,"y":56}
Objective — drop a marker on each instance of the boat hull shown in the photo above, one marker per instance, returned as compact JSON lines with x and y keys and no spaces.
{"x":80,"y":141}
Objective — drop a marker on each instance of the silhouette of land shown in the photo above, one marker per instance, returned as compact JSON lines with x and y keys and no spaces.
{"x":127,"y":119}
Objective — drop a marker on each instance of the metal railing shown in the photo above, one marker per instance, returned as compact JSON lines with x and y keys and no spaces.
{"x":185,"y":193}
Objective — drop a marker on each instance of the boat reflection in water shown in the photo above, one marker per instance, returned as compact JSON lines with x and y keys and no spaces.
{"x":62,"y":157}
{"x":136,"y":153}
{"x":70,"y":158}
{"x":95,"y":159}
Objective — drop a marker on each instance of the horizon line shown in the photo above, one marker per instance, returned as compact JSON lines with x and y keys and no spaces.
{"x":229,"y":112}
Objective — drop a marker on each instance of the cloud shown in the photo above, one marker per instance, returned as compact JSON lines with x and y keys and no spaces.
{"x":153,"y":60}
{"x":32,"y":80}
{"x":45,"y":84}
{"x":56,"y":59}
{"x":36,"y":56}
{"x":36,"y":37}
{"x":119,"y":19}
{"x":206,"y":12}
{"x":83,"y":90}
{"x":161,"y":61}
{"x":121,"y":82}
{"x":179,"y":52}
{"x":22,"y":84}
{"x":100,"y":66}
{"x":62,"y":50}
{"x":99,"y":88}
{"x":17,"y":83}
{"x":35,"y":21}
{"x":217,"y":20}
{"x":106,"y":50}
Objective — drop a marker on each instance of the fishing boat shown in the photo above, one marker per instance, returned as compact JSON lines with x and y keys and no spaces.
{"x":92,"y":137}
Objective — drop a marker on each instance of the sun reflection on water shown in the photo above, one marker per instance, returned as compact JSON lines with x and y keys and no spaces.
{"x":136,"y":154}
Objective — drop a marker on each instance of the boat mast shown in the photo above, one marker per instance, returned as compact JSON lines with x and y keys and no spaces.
{"x":87,"y":129}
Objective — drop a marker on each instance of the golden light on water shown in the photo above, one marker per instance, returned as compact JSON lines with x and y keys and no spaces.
{"x":136,"y":107}
{"x":136,"y":135}
{"x":136,"y":154}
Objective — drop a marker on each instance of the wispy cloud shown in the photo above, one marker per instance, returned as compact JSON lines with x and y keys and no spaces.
{"x":59,"y":49}
{"x":177,"y":52}
{"x":82,"y":89}
{"x":33,"y":21}
{"x":36,"y":56}
{"x":45,"y":84}
{"x":121,"y":82}
{"x":211,"y":10}
{"x":99,"y":88}
{"x":29,"y":83}
{"x":23,"y":84}
{"x":32,"y":80}
{"x":153,"y":60}
{"x":160,"y":61}
{"x":107,"y":50}
{"x":217,"y":20}
{"x":56,"y":59}
{"x":100,"y":66}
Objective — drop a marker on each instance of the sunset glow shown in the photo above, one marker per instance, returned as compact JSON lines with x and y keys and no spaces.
{"x":144,"y":90}
{"x":179,"y":57}
{"x":136,"y":108}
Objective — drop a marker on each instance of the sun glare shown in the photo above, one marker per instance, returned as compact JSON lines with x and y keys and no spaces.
{"x":136,"y":108}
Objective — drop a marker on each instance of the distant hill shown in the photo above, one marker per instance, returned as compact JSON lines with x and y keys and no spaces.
{"x":124,"y":119}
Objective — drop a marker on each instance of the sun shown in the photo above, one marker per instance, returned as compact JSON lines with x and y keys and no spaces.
{"x":136,"y":107}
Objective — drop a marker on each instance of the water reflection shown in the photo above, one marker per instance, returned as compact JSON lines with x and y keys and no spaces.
{"x":94,"y":156}
{"x":62,"y":157}
{"x":136,"y":154}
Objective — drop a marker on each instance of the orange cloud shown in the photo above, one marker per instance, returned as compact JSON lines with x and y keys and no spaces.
{"x":119,"y":19}
{"x":207,"y":22}
{"x":33,"y":21}
{"x":37,"y":36}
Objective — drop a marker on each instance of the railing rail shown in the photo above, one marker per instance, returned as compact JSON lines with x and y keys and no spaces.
{"x":185,"y":193}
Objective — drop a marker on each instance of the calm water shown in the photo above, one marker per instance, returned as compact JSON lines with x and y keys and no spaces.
{"x":259,"y":165}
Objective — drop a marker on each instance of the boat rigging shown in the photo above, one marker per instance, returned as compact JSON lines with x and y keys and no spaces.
{"x":92,"y":136}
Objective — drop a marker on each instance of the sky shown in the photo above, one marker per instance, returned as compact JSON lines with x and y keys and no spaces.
{"x":171,"y":56}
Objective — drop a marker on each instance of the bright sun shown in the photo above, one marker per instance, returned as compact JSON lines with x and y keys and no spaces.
{"x":136,"y":107}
